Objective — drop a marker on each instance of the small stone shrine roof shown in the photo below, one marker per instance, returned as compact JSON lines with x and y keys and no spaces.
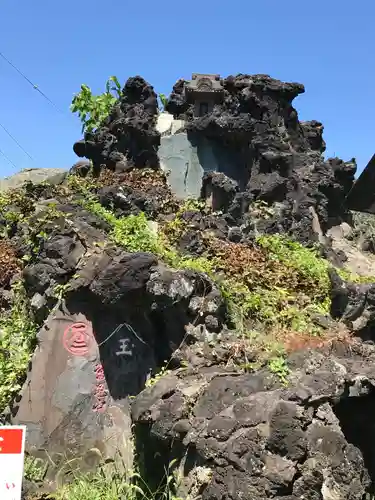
{"x":204,"y":86}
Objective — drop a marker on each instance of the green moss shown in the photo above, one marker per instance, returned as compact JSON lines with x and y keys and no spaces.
{"x":17,"y":342}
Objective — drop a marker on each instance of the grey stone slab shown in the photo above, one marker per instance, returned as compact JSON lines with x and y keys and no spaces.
{"x":185,"y":163}
{"x":179,"y":159}
{"x":35,"y":175}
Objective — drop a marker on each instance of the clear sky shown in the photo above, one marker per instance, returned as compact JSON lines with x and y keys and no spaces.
{"x":327,"y":45}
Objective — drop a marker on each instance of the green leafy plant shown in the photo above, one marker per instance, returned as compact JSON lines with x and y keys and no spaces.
{"x":310,"y":267}
{"x":164,"y":101}
{"x":17,"y":342}
{"x":279,"y":367}
{"x":93,"y":109}
{"x":35,"y":469}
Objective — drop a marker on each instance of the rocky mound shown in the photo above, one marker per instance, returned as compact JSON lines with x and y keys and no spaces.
{"x":273,"y":157}
{"x":193,"y":339}
{"x":235,"y":396}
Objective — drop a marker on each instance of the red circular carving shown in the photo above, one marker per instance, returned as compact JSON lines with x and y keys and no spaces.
{"x":77,"y":339}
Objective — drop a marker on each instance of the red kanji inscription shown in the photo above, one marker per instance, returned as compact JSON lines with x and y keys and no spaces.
{"x":77,"y":339}
{"x":99,"y":373}
{"x":100,"y":390}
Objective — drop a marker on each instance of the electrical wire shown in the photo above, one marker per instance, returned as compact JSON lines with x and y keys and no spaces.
{"x":15,"y":140}
{"x":35,"y":87}
{"x":6,"y":157}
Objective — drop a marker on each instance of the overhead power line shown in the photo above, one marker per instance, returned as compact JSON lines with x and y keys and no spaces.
{"x":6,"y":157}
{"x":15,"y":140}
{"x":35,"y":87}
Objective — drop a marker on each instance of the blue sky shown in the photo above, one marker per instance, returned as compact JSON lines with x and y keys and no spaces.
{"x":326,"y":45}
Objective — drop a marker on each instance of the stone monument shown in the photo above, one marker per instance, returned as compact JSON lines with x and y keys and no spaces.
{"x":75,"y":402}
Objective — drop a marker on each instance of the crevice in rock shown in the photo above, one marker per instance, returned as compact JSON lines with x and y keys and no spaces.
{"x":156,"y":459}
{"x":356,"y":416}
{"x":162,"y":348}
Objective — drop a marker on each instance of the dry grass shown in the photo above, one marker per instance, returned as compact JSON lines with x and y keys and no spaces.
{"x":253,"y":265}
{"x":141,"y":179}
{"x":8,"y":263}
{"x":295,"y":341}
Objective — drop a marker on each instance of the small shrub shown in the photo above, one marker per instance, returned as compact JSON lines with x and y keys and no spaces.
{"x":94,"y":109}
{"x":279,"y":367}
{"x":310,"y":267}
{"x":34,"y":469}
{"x":134,"y":234}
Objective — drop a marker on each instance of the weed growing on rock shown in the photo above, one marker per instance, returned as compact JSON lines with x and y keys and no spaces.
{"x":17,"y":342}
{"x":175,"y":228}
{"x":99,"y":486}
{"x":34,"y":469}
{"x":93,"y":109}
{"x":305,"y":262}
{"x":279,"y":367}
{"x":134,"y":232}
{"x":163,"y":101}
{"x":267,"y":290}
{"x":15,"y":205}
{"x":153,"y":380}
{"x":16,"y":198}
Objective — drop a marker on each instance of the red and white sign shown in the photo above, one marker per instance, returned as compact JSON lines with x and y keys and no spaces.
{"x":12,"y":453}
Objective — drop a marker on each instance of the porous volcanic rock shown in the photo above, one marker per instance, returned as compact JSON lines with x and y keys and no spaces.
{"x":353,"y":304}
{"x":247,"y":436}
{"x":128,"y":135}
{"x":233,"y":434}
{"x":275,"y":157}
{"x":132,"y":312}
{"x":281,"y":157}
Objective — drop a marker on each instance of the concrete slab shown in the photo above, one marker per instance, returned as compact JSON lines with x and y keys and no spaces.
{"x":179,"y":159}
{"x":185,"y":163}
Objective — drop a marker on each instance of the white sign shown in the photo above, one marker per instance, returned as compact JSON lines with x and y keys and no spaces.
{"x":12,"y":453}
